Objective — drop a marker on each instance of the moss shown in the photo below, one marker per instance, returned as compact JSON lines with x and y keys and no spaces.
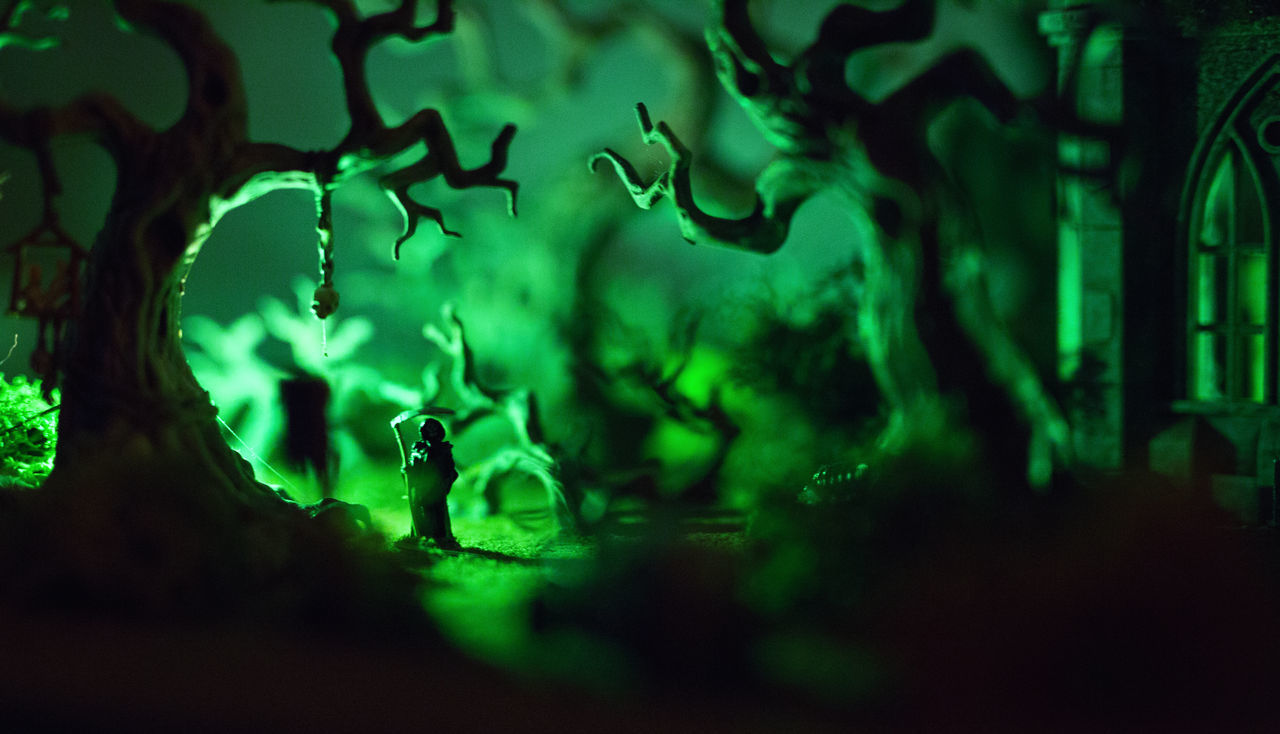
{"x":28,"y":433}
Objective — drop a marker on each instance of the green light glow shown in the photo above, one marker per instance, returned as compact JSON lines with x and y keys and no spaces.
{"x":1210,"y":287}
{"x":573,"y":302}
{"x":1210,"y":380}
{"x":1070,"y":300}
{"x":680,"y":447}
{"x":1253,"y":362}
{"x":1216,"y":226}
{"x":517,"y":280}
{"x":1251,"y":288}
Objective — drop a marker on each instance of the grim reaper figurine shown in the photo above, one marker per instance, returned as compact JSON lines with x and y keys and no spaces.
{"x":429,"y":474}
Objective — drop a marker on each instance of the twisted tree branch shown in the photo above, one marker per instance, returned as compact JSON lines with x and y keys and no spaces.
{"x":178,"y":182}
{"x":216,"y":105}
{"x":100,"y":117}
{"x":528,"y":452}
{"x":780,"y":190}
{"x":441,"y":159}
{"x":369,"y":141}
{"x":11,"y":18}
{"x":352,"y":42}
{"x":876,"y":156}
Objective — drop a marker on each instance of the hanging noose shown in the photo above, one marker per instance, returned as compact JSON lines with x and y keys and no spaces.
{"x":325,"y":299}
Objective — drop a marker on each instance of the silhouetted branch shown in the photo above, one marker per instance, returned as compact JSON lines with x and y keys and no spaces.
{"x":216,"y":117}
{"x":518,"y":408}
{"x":10,"y":35}
{"x":876,"y":156}
{"x":442,"y":159}
{"x":354,"y":38}
{"x":216,"y":103}
{"x":369,"y":140}
{"x":98,"y":116}
{"x":780,"y":190}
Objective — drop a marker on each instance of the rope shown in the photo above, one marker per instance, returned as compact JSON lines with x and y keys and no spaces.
{"x":10,"y":354}
{"x":255,"y":455}
{"x":27,"y":420}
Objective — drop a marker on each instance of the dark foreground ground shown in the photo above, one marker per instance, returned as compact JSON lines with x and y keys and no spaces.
{"x":1131,"y":619}
{"x":485,"y":670}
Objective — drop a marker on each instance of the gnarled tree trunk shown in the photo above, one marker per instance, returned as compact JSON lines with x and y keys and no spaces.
{"x":948,"y":370}
{"x":147,"y":504}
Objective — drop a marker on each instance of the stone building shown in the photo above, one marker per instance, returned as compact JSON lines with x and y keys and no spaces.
{"x":1169,"y":310}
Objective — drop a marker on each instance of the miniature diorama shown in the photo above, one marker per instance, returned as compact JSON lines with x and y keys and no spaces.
{"x":960,"y":412}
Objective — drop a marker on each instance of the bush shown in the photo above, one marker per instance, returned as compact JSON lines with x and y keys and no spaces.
{"x":28,"y":433}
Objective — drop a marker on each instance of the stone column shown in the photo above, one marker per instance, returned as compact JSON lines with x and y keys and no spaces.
{"x":1090,"y":237}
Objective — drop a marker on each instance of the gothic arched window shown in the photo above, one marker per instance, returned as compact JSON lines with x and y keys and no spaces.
{"x":1231,"y":282}
{"x":1232,"y":324}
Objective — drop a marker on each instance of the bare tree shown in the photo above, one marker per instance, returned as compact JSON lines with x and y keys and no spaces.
{"x":938,"y":351}
{"x":130,"y":403}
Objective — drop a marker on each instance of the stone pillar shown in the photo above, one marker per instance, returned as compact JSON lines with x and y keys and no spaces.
{"x":1090,"y":237}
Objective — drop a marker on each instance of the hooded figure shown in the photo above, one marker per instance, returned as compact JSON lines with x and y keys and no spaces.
{"x":429,"y":475}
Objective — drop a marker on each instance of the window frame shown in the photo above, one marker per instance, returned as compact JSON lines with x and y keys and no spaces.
{"x":1231,"y":327}
{"x":1247,"y":128}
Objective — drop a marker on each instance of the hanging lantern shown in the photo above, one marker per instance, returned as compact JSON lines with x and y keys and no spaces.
{"x":49,"y":297}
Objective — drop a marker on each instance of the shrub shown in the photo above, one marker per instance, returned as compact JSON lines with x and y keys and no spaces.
{"x":28,"y":432}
